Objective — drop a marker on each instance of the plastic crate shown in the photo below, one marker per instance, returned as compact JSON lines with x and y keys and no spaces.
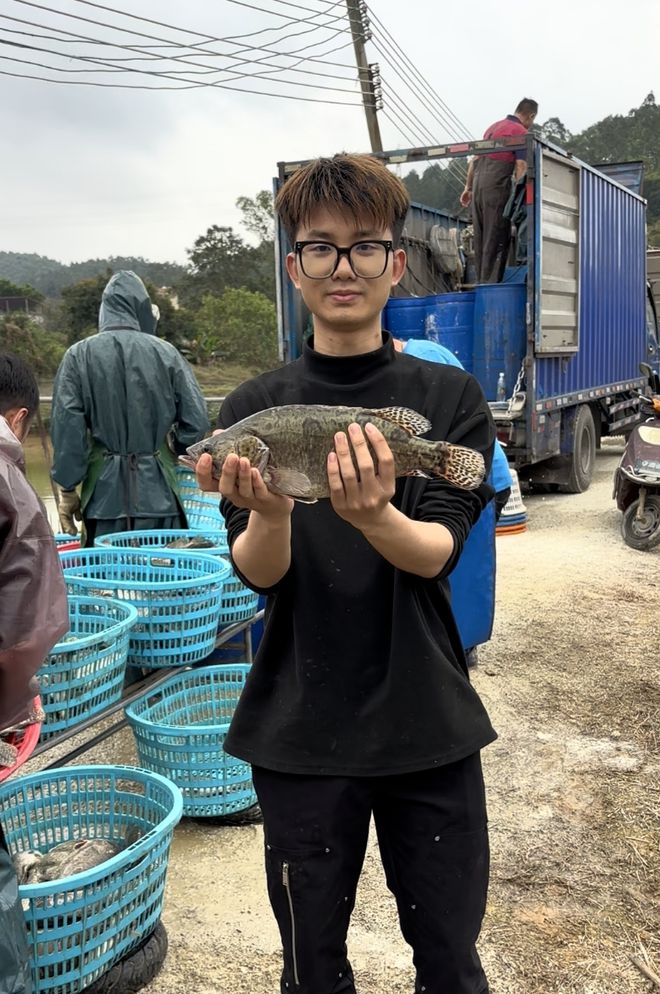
{"x":80,"y":926}
{"x":186,"y":482}
{"x":239,"y":603}
{"x":24,"y":741}
{"x":177,"y":596}
{"x":180,"y":730}
{"x":85,"y":671}
{"x":203,"y":512}
{"x":63,"y":539}
{"x":161,"y":537}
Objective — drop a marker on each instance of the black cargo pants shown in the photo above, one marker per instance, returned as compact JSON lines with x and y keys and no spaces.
{"x":433,"y":840}
{"x":492,"y":231}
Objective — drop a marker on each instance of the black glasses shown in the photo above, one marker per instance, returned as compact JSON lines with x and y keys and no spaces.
{"x":319,"y":260}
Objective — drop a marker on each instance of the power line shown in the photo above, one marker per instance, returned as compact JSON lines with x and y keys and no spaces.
{"x":136,"y":86}
{"x":416,"y":74}
{"x":197,"y":48}
{"x":175,"y":74}
{"x":165,"y":75}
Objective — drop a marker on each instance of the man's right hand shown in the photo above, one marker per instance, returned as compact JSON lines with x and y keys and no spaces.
{"x":244,"y":486}
{"x":69,"y":510}
{"x":466,"y":197}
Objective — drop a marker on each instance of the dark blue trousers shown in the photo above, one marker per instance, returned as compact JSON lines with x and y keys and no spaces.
{"x":433,"y":840}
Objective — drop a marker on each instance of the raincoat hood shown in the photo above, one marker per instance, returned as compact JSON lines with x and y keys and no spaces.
{"x":126,"y":305}
{"x":10,"y":447}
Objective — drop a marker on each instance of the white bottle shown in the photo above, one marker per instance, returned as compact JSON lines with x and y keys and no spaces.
{"x":501,"y":387}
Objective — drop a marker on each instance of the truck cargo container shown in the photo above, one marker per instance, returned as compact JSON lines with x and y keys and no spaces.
{"x":568,"y":327}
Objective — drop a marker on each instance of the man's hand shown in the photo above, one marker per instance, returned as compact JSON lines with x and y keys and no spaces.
{"x":243,"y":485}
{"x":361,"y":496}
{"x":466,"y":197}
{"x":69,"y":510}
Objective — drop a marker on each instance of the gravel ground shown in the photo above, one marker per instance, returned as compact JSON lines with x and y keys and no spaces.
{"x":571,"y":681}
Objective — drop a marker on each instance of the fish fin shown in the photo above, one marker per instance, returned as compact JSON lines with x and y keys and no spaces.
{"x":404,"y":417}
{"x":418,"y":472}
{"x":463,"y":467}
{"x":289,"y":482}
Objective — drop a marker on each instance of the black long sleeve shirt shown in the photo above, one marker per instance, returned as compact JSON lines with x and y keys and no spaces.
{"x":360,"y":670}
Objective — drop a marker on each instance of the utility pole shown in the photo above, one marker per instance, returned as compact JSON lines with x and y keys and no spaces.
{"x":368,"y":74}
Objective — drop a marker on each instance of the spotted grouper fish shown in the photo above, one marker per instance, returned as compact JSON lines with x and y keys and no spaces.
{"x":68,"y":858}
{"x":289,"y":446}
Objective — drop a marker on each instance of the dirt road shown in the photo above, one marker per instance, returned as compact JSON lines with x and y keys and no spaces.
{"x":572,"y":684}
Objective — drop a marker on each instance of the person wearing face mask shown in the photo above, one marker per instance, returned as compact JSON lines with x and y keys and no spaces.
{"x":125,"y":405}
{"x":33,"y":617}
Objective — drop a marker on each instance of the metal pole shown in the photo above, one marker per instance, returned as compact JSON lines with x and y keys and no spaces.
{"x":365,"y":75}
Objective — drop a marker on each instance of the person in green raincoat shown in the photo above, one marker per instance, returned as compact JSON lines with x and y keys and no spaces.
{"x":125,"y":405}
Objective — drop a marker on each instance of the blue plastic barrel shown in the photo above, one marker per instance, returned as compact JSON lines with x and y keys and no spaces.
{"x":404,"y":317}
{"x":499,"y":334}
{"x":450,"y":322}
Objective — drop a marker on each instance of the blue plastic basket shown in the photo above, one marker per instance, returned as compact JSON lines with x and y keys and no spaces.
{"x":186,"y":481}
{"x":180,"y":729}
{"x":80,"y":926}
{"x":203,"y":512}
{"x":62,"y":539}
{"x":177,"y":594}
{"x":85,"y":671}
{"x":161,"y":537}
{"x":239,"y":603}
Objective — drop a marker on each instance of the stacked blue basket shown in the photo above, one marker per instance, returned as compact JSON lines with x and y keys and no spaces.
{"x":180,"y":729}
{"x":84,"y":673}
{"x":177,"y":594}
{"x":80,"y":926}
{"x":239,"y":603}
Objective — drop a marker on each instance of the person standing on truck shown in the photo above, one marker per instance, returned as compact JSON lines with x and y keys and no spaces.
{"x":33,"y":616}
{"x":487,"y":189}
{"x":359,"y":699}
{"x":125,"y":405}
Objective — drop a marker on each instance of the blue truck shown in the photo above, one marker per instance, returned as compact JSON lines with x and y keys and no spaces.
{"x":557,"y":346}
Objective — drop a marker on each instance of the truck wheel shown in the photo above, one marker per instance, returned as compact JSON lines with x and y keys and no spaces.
{"x":642,"y":533}
{"x":137,"y":969}
{"x":583,"y":458}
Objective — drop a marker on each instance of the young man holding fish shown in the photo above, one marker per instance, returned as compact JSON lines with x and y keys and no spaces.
{"x":359,"y":700}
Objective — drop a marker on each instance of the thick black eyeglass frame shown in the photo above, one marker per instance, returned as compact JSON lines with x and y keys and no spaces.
{"x":387,"y":244}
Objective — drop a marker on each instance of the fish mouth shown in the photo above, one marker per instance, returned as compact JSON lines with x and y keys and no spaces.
{"x":187,"y":461}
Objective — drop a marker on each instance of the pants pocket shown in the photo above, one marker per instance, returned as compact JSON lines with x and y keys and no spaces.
{"x":294,"y":878}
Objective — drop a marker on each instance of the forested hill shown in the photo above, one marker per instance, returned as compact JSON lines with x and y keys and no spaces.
{"x":50,"y":277}
{"x":617,"y":138}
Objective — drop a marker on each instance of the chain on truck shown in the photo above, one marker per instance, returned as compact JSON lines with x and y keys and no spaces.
{"x":557,"y":345}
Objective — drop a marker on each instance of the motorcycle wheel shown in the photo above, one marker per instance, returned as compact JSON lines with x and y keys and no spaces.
{"x":642,"y":533}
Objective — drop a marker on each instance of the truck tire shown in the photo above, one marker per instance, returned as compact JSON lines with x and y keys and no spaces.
{"x":642,"y":534}
{"x":582,"y":460}
{"x":137,"y":969}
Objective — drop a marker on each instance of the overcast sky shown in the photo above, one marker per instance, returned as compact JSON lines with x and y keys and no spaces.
{"x":91,"y":172}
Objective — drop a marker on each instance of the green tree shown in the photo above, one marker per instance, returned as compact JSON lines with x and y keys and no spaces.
{"x":9,"y":289}
{"x":555,"y":131}
{"x":220,"y":259}
{"x":438,"y":186}
{"x":258,"y":214}
{"x":29,"y":339}
{"x":78,"y":316}
{"x":237,"y":326}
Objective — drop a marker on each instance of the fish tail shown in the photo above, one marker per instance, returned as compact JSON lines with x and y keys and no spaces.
{"x":459,"y":465}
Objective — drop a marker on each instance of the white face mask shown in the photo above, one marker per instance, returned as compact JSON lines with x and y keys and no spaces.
{"x":155,"y":310}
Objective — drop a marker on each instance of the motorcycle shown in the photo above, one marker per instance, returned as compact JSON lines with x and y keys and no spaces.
{"x":637,"y":477}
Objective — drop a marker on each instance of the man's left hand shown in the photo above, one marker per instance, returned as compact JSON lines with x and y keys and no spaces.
{"x":361,"y":495}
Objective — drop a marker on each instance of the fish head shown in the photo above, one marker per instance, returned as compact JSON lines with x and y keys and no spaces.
{"x":222,"y":444}
{"x":214,"y":446}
